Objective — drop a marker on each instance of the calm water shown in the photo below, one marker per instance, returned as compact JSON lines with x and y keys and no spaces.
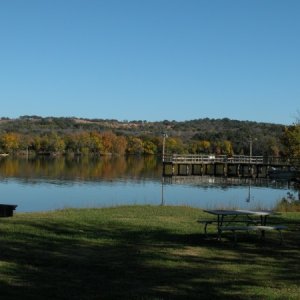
{"x":48,"y":184}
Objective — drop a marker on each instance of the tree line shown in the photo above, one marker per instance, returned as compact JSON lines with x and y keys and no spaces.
{"x":101,"y":137}
{"x":103,"y":143}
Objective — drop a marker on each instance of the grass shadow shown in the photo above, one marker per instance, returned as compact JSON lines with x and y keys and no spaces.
{"x":113,"y":259}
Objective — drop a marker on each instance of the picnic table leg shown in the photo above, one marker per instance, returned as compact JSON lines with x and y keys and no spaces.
{"x":281,"y":237}
{"x":220,"y":222}
{"x":263,"y":221}
{"x":205,"y":229}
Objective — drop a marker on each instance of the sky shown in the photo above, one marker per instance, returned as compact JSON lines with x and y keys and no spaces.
{"x":151,"y":60}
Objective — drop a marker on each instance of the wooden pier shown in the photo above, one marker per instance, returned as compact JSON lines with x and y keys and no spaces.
{"x":222,"y":165}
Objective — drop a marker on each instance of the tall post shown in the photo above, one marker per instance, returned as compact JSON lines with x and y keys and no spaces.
{"x":164,"y":145}
{"x":163,"y":160}
{"x":250,"y":150}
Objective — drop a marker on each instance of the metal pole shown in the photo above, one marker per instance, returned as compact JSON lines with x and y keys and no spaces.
{"x":250,"y":151}
{"x":164,"y":145}
{"x":163,"y":159}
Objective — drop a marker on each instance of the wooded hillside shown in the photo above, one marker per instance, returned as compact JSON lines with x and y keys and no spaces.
{"x":195,"y":136}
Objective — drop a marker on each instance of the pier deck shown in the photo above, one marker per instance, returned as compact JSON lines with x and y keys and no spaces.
{"x":236,"y":165}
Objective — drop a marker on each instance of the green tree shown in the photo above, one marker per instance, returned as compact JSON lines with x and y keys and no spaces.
{"x":56,"y":143}
{"x":149,"y":147}
{"x":174,"y":145}
{"x":200,"y":147}
{"x":217,"y":148}
{"x":44,"y":143}
{"x":36,"y":144}
{"x":272,"y":147}
{"x":291,"y":141}
{"x":82,"y":142}
{"x":135,"y":145}
{"x":95,"y":143}
{"x":26,"y":142}
{"x":227,"y":148}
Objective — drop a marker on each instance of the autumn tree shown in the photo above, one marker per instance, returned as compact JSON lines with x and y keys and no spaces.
{"x":120,"y":145}
{"x":108,"y":140}
{"x":10,"y":142}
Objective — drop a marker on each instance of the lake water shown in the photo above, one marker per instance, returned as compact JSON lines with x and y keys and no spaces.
{"x":55,"y":183}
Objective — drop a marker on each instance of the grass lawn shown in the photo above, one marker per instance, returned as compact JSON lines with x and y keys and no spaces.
{"x":142,"y":252}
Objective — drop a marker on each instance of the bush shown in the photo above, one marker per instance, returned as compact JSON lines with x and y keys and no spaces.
{"x":289,"y":203}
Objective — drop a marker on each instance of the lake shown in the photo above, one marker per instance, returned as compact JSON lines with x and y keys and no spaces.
{"x":54,"y":183}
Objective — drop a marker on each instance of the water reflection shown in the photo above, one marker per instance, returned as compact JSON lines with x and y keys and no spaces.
{"x":61,"y":170}
{"x":54,"y":183}
{"x":248,"y":199}
{"x":226,"y":182}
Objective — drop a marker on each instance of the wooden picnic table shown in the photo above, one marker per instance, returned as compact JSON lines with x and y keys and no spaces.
{"x":249,"y":214}
{"x":7,"y":210}
{"x":254,"y":221}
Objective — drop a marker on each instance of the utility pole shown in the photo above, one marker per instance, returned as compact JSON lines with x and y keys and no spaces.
{"x":163,"y":160}
{"x":250,"y":151}
{"x":164,"y":145}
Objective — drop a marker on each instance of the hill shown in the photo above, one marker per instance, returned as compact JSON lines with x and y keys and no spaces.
{"x":265,"y":136}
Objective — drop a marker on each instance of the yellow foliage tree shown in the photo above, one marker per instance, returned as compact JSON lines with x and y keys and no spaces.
{"x":10,"y":142}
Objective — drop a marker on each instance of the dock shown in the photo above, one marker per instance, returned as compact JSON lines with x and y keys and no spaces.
{"x":223,"y":165}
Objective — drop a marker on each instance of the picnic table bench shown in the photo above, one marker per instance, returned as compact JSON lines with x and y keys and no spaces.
{"x":243,"y":220}
{"x":260,"y":228}
{"x":207,"y":222}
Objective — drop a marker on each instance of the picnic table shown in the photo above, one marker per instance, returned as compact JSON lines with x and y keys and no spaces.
{"x":6,"y":210}
{"x":247,"y":220}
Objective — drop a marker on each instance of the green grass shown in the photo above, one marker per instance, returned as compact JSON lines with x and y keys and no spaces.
{"x":142,"y":252}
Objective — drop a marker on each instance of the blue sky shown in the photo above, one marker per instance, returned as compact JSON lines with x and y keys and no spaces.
{"x":151,"y":59}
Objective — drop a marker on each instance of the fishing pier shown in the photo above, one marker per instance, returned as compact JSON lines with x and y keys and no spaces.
{"x":222,"y":165}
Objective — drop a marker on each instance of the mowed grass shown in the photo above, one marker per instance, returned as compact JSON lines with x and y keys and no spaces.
{"x":142,"y":252}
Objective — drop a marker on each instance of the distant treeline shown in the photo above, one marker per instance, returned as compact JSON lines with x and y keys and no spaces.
{"x":99,"y":137}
